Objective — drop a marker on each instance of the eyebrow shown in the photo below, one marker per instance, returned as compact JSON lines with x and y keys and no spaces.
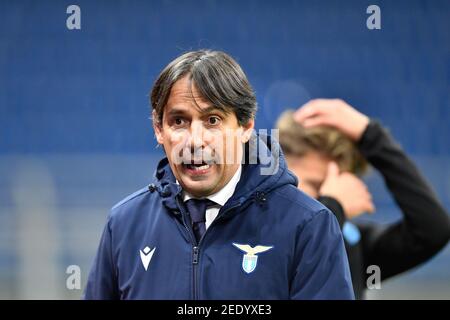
{"x":203,"y":111}
{"x":173,"y":112}
{"x":210,"y":109}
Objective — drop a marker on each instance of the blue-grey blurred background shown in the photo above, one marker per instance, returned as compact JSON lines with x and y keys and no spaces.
{"x":75,"y":135}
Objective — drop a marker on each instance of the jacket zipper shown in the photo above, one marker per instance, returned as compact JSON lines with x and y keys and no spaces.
{"x":196,"y":248}
{"x":195,"y":252}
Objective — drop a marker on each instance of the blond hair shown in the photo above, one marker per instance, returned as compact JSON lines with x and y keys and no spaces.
{"x":295,"y":140}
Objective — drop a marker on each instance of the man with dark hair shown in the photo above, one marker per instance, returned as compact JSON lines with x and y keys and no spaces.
{"x":215,"y":223}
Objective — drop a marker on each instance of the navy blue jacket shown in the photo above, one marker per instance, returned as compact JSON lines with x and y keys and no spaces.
{"x":148,"y":251}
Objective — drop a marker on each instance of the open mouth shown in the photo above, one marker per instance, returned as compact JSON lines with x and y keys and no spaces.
{"x":197,"y":166}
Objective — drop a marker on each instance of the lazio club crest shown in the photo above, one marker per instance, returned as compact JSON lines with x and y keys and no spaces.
{"x":250,"y":259}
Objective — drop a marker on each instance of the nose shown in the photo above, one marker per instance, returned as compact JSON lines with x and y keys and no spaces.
{"x":196,"y":140}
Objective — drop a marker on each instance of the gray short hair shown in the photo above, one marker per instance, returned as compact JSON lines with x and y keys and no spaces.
{"x":218,"y":78}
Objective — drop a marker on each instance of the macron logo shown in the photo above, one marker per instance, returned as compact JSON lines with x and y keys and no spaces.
{"x":146,"y":256}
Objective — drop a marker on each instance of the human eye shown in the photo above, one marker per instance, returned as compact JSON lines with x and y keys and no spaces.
{"x":178,"y":121}
{"x":214,"y":120}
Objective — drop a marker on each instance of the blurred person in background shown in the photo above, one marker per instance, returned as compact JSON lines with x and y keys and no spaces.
{"x":328,"y":144}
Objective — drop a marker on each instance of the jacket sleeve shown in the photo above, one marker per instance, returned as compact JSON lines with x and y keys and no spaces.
{"x":102,"y":280}
{"x":425,"y":227}
{"x":321,"y":264}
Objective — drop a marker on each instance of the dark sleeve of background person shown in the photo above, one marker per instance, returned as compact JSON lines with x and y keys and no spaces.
{"x":335,"y":207}
{"x":425,"y":227}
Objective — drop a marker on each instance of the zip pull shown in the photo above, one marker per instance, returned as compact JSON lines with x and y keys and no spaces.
{"x":195,"y":255}
{"x":260,"y":197}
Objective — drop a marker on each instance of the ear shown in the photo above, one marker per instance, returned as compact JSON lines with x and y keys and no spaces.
{"x":248,"y":128}
{"x":157,"y":126}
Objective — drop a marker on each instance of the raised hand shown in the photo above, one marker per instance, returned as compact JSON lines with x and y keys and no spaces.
{"x":334,"y":113}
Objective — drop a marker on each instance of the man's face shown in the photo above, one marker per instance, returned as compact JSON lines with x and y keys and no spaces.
{"x":204,"y":146}
{"x":311,"y":169}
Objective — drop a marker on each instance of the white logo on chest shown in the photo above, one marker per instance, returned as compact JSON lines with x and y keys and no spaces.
{"x":146,"y":256}
{"x":250,"y":258}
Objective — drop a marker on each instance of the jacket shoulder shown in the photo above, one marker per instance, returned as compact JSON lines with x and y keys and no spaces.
{"x":129,"y":200}
{"x":300,"y":202}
